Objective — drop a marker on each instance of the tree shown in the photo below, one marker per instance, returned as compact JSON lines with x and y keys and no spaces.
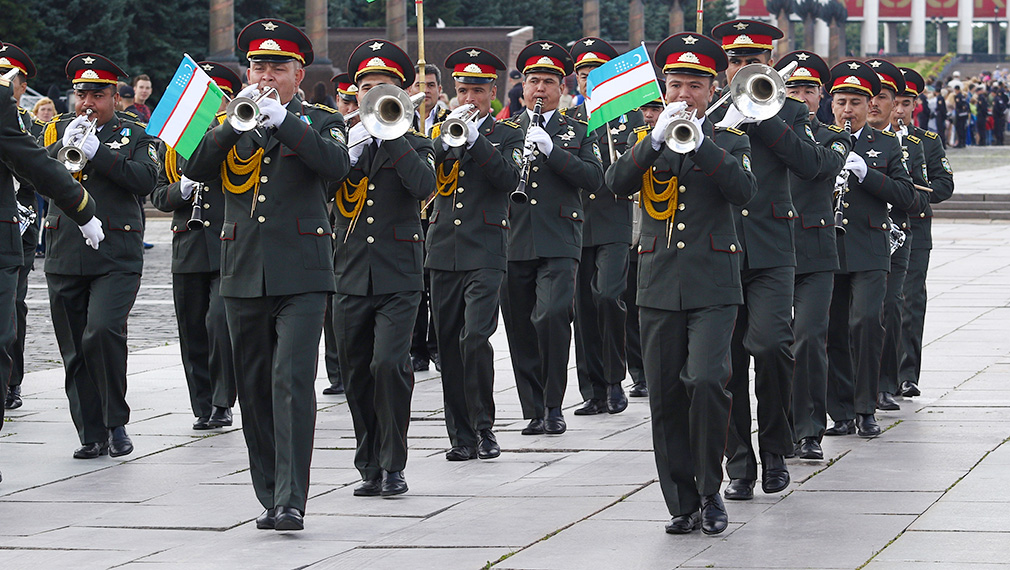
{"x":157,"y":53}
{"x":807,"y":10}
{"x":781,"y":10}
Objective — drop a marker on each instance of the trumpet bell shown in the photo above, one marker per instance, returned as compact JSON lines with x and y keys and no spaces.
{"x":683,"y":136}
{"x":455,"y":129}
{"x":758,"y":91}
{"x":72,"y":158}
{"x":243,"y":114}
{"x":386,"y":111}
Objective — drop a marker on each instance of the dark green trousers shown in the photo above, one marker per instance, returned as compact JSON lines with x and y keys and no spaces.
{"x":811,"y":301}
{"x":89,"y":319}
{"x":764,"y":332}
{"x":894,"y":305}
{"x":538,"y":303}
{"x":8,"y":327}
{"x":275,"y":343}
{"x":600,"y":315}
{"x":330,"y":344}
{"x":204,"y":341}
{"x":373,"y":339}
{"x":855,"y":342}
{"x":632,"y":330}
{"x":464,"y":306}
{"x":913,"y":317}
{"x":18,"y":353}
{"x":687,"y":362}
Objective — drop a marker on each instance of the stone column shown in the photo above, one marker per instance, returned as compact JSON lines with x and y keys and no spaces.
{"x":316,"y":27}
{"x":396,"y":22}
{"x":871,"y":17}
{"x":822,"y":39}
{"x":636,"y":23}
{"x":676,"y":17}
{"x":222,"y":30}
{"x":964,"y":17}
{"x":917,"y":28}
{"x":890,"y":37}
{"x":943,"y":38}
{"x":993,"y":28}
{"x":590,"y":17}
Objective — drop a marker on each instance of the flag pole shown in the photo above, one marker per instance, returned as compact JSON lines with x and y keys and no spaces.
{"x":701,"y":17}
{"x":422,"y":78}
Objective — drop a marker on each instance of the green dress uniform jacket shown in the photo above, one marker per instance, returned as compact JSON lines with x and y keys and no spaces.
{"x":941,"y":180}
{"x":701,"y":265}
{"x":914,"y":160}
{"x":550,"y":223}
{"x":469,"y":227}
{"x":382,"y":253}
{"x":815,"y":223}
{"x":285,"y":246}
{"x":124,"y":167}
{"x":779,"y":145}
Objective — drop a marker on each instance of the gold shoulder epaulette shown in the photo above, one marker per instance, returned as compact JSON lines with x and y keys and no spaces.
{"x":577,"y":120}
{"x":931,"y":134}
{"x":835,"y":128}
{"x":563,"y":111}
{"x":509,"y":122}
{"x":641,"y":129}
{"x":416,"y":132}
{"x":888,"y":133}
{"x":797,"y":100}
{"x":735,"y":131}
{"x":322,"y":107}
{"x":914,"y":139}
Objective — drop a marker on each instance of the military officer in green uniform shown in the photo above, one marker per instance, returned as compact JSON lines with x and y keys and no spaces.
{"x":600,"y":311}
{"x":885,"y":114}
{"x":941,"y":181}
{"x":816,"y":257}
{"x":689,"y":280}
{"x":876,"y":177}
{"x":21,"y":156}
{"x":276,"y":259}
{"x":466,"y":243}
{"x":545,"y":242}
{"x":780,"y":145}
{"x":197,"y":217}
{"x":377,"y":265}
{"x":13,"y":57}
{"x":91,"y":292}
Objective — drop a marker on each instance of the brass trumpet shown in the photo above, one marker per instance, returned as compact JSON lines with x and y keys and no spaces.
{"x":243,"y":113}
{"x":683,"y":134}
{"x":72,"y":156}
{"x":758,"y":91}
{"x":455,"y":129}
{"x":386,"y":112}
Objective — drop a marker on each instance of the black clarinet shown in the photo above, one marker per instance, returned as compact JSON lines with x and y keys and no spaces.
{"x":519,"y":195}
{"x":841,"y":185}
{"x":196,"y":218}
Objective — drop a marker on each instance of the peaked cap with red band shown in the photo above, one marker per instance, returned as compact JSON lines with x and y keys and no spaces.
{"x":890,"y":75}
{"x":11,"y":56}
{"x":690,"y":54}
{"x":545,"y":57}
{"x":914,"y":83}
{"x":224,"y":76}
{"x":810,"y":68}
{"x":381,"y":56}
{"x":746,"y":37}
{"x":275,"y":40}
{"x":592,"y":51}
{"x":91,"y":72}
{"x":474,"y":65}
{"x":854,"y":77}
{"x":346,"y":89}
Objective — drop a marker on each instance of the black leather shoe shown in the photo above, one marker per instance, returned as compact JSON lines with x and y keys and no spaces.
{"x":866,"y":425}
{"x":394,"y":484}
{"x":535,"y":427}
{"x":288,"y":518}
{"x":487,"y":445}
{"x":13,"y":400}
{"x":639,"y":390}
{"x":713,"y":514}
{"x":739,"y":490}
{"x":334,"y":388}
{"x":910,"y":389}
{"x":436,"y":361}
{"x":886,"y":402}
{"x":846,"y":427}
{"x":221,"y":417}
{"x":119,"y":442}
{"x":591,"y":408}
{"x":266,"y":521}
{"x":201,"y":423}
{"x":461,"y":453}
{"x":91,"y":450}
{"x":774,"y":474}
{"x":554,"y":423}
{"x":418,"y":364}
{"x":792,"y":452}
{"x":617,"y":402}
{"x":368,"y":488}
{"x":684,"y":524}
{"x":810,"y":448}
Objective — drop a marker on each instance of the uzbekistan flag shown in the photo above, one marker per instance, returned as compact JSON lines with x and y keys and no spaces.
{"x":620,"y":85}
{"x":186,"y":109}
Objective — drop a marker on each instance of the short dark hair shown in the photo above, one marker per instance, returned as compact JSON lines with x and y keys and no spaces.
{"x":429,"y":69}
{"x":141,"y":77}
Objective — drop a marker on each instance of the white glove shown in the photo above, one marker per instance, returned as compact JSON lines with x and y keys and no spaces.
{"x":90,"y":146}
{"x":250,"y":91}
{"x":458,"y":112}
{"x":358,"y":133}
{"x":472,"y":133}
{"x":186,"y":187}
{"x":699,"y":120}
{"x":273,"y":112}
{"x":92,"y":231}
{"x":75,"y":130}
{"x":539,"y":137}
{"x":856,"y":165}
{"x":662,"y":128}
{"x":733,"y":118}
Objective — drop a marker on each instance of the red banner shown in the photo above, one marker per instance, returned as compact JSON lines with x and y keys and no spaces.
{"x":898,"y":9}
